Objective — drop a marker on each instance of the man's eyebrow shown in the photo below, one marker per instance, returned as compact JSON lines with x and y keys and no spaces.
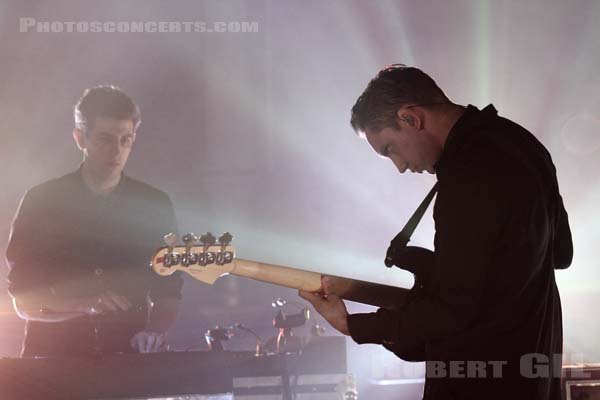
{"x":120,"y":134}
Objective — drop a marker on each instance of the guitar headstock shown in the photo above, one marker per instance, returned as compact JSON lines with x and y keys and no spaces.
{"x":206,"y":258}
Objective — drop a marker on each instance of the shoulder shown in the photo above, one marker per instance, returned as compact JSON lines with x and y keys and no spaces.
{"x":52,"y":188}
{"x":507,"y":160}
{"x":503,"y":148}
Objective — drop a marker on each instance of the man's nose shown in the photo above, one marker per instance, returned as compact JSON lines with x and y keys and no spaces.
{"x":115,"y":148}
{"x":402,"y":167}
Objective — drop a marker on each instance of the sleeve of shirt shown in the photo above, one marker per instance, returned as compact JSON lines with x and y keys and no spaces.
{"x":469,"y":218}
{"x":563,"y":243}
{"x":27,"y":253}
{"x":166,"y":287}
{"x":562,"y":246}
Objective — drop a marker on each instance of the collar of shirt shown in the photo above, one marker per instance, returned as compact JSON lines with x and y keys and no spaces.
{"x":115,"y":193}
{"x":471,"y":119}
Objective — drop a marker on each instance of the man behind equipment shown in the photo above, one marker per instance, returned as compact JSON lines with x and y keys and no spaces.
{"x":500,"y":232}
{"x":80,"y":245}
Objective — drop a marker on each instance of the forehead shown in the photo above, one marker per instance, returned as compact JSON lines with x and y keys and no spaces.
{"x":379,"y":136}
{"x":112,"y":126}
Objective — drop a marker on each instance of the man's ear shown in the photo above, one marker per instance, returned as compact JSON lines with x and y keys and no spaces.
{"x":410,"y":118}
{"x":80,"y":139}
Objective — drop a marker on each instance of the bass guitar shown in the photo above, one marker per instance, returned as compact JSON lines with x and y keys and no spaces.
{"x":207,"y":259}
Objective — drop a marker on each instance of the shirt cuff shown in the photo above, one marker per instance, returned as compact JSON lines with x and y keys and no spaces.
{"x":366,"y":328}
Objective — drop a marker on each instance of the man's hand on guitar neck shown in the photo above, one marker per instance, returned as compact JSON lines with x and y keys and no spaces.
{"x":330,"y":306}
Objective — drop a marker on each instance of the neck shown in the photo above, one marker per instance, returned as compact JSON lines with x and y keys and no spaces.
{"x":99,"y":183}
{"x":446,"y":121}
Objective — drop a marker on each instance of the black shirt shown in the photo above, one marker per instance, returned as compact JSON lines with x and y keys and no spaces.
{"x":68,"y":241}
{"x":500,"y":232}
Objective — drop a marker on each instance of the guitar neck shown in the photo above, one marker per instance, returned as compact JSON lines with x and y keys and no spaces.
{"x":349,"y":289}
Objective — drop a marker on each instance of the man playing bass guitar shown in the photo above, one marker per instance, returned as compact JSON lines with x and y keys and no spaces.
{"x":491,"y":304}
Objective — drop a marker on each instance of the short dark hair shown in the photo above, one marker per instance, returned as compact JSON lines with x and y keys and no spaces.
{"x":393,"y":87}
{"x":105,"y":101}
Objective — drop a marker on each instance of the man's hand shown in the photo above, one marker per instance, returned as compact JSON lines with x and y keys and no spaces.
{"x":329,"y":305}
{"x":154,"y":338}
{"x":149,"y":342}
{"x":107,"y":301}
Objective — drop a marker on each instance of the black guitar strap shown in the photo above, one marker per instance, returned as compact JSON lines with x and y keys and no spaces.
{"x":401,"y":240}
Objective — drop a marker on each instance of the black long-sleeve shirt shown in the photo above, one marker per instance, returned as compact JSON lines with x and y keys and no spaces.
{"x":67,"y":241}
{"x":500,"y":232}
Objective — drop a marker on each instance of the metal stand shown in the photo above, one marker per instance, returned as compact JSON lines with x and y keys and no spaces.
{"x":287,"y":345}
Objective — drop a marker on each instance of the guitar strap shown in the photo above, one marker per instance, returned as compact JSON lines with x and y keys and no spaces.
{"x":399,"y":242}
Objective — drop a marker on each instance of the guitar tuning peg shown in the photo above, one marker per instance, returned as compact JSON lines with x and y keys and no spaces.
{"x":208,"y":239}
{"x":189,"y":239}
{"x":171,"y":239}
{"x":225,"y":239}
